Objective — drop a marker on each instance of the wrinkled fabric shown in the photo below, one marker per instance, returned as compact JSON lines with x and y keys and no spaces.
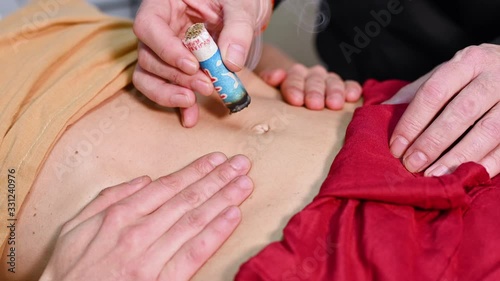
{"x":374,"y":220}
{"x":57,"y":65}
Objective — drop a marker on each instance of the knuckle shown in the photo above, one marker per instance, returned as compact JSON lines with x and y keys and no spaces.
{"x":411,"y":126}
{"x":298,"y":69}
{"x":191,"y":197}
{"x":495,"y":158}
{"x":135,"y":272}
{"x":203,"y":167}
{"x":432,"y":144}
{"x":473,"y":53}
{"x":195,"y":254}
{"x":461,"y":157}
{"x":228,"y":194}
{"x":225,"y":175}
{"x":465,"y":109}
{"x":432,"y":93}
{"x":115,"y":216}
{"x":174,"y":78}
{"x":491,"y":127}
{"x":294,"y":81}
{"x":170,"y":182}
{"x":319,"y":69}
{"x":316,"y":81}
{"x":131,"y":238}
{"x":195,"y":219}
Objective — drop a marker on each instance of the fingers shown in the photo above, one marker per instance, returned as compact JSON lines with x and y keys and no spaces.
{"x":273,"y":77}
{"x":316,"y":88}
{"x":164,"y":188}
{"x":196,"y":194}
{"x":492,"y":162}
{"x":156,"y":29}
{"x":335,"y":92}
{"x":186,"y":209}
{"x":479,"y":145}
{"x":106,"y":198}
{"x":434,"y":93}
{"x":193,"y":221}
{"x":406,"y":94}
{"x":189,"y":116}
{"x":293,"y":87}
{"x":458,"y":94}
{"x":161,"y":91}
{"x":455,"y":119}
{"x":237,"y":34}
{"x":151,"y":63}
{"x":353,"y":91}
{"x":197,"y":251}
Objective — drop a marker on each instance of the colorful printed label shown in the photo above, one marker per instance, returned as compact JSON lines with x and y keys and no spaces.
{"x":226,"y":83}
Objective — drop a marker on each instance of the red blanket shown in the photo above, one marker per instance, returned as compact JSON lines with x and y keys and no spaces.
{"x":373,"y":220}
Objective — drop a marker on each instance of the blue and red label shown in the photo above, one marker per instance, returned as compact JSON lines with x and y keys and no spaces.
{"x":226,"y":83}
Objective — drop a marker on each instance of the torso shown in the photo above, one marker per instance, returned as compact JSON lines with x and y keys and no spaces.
{"x":291,"y":149}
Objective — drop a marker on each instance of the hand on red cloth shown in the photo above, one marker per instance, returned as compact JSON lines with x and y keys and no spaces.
{"x":453,"y":116}
{"x":374,"y":220}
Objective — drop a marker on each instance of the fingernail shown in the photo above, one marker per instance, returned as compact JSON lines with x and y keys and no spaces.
{"x":236,"y":55}
{"x":136,"y":180}
{"x":238,"y":162}
{"x":244,"y":183}
{"x":415,"y":162}
{"x":352,"y":94}
{"x":437,"y":171}
{"x":217,"y":158}
{"x":337,"y":99}
{"x":398,"y":146}
{"x":231,"y":213}
{"x":202,"y":87}
{"x":180,"y":100}
{"x":188,"y":66}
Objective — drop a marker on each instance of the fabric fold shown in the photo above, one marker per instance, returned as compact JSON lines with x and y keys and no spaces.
{"x":60,"y":61}
{"x":373,"y":220}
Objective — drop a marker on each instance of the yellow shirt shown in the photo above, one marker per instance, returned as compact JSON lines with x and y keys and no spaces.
{"x":59,"y":59}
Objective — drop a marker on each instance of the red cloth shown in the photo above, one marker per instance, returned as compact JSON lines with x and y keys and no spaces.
{"x":373,"y":220}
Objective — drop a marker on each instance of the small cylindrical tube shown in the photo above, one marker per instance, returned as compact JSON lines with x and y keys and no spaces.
{"x":226,"y":83}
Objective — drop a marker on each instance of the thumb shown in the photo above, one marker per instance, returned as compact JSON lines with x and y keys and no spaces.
{"x":240,"y":20}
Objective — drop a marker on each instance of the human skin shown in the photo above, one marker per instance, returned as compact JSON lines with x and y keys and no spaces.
{"x":154,"y":230}
{"x":313,"y":87}
{"x":291,"y":149}
{"x":463,"y":93}
{"x":167,"y":72}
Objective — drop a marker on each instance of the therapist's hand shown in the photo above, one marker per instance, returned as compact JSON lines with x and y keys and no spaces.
{"x":160,"y":230}
{"x":460,"y":97}
{"x":167,"y":72}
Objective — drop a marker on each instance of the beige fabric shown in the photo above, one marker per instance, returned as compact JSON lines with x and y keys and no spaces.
{"x":59,"y":59}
